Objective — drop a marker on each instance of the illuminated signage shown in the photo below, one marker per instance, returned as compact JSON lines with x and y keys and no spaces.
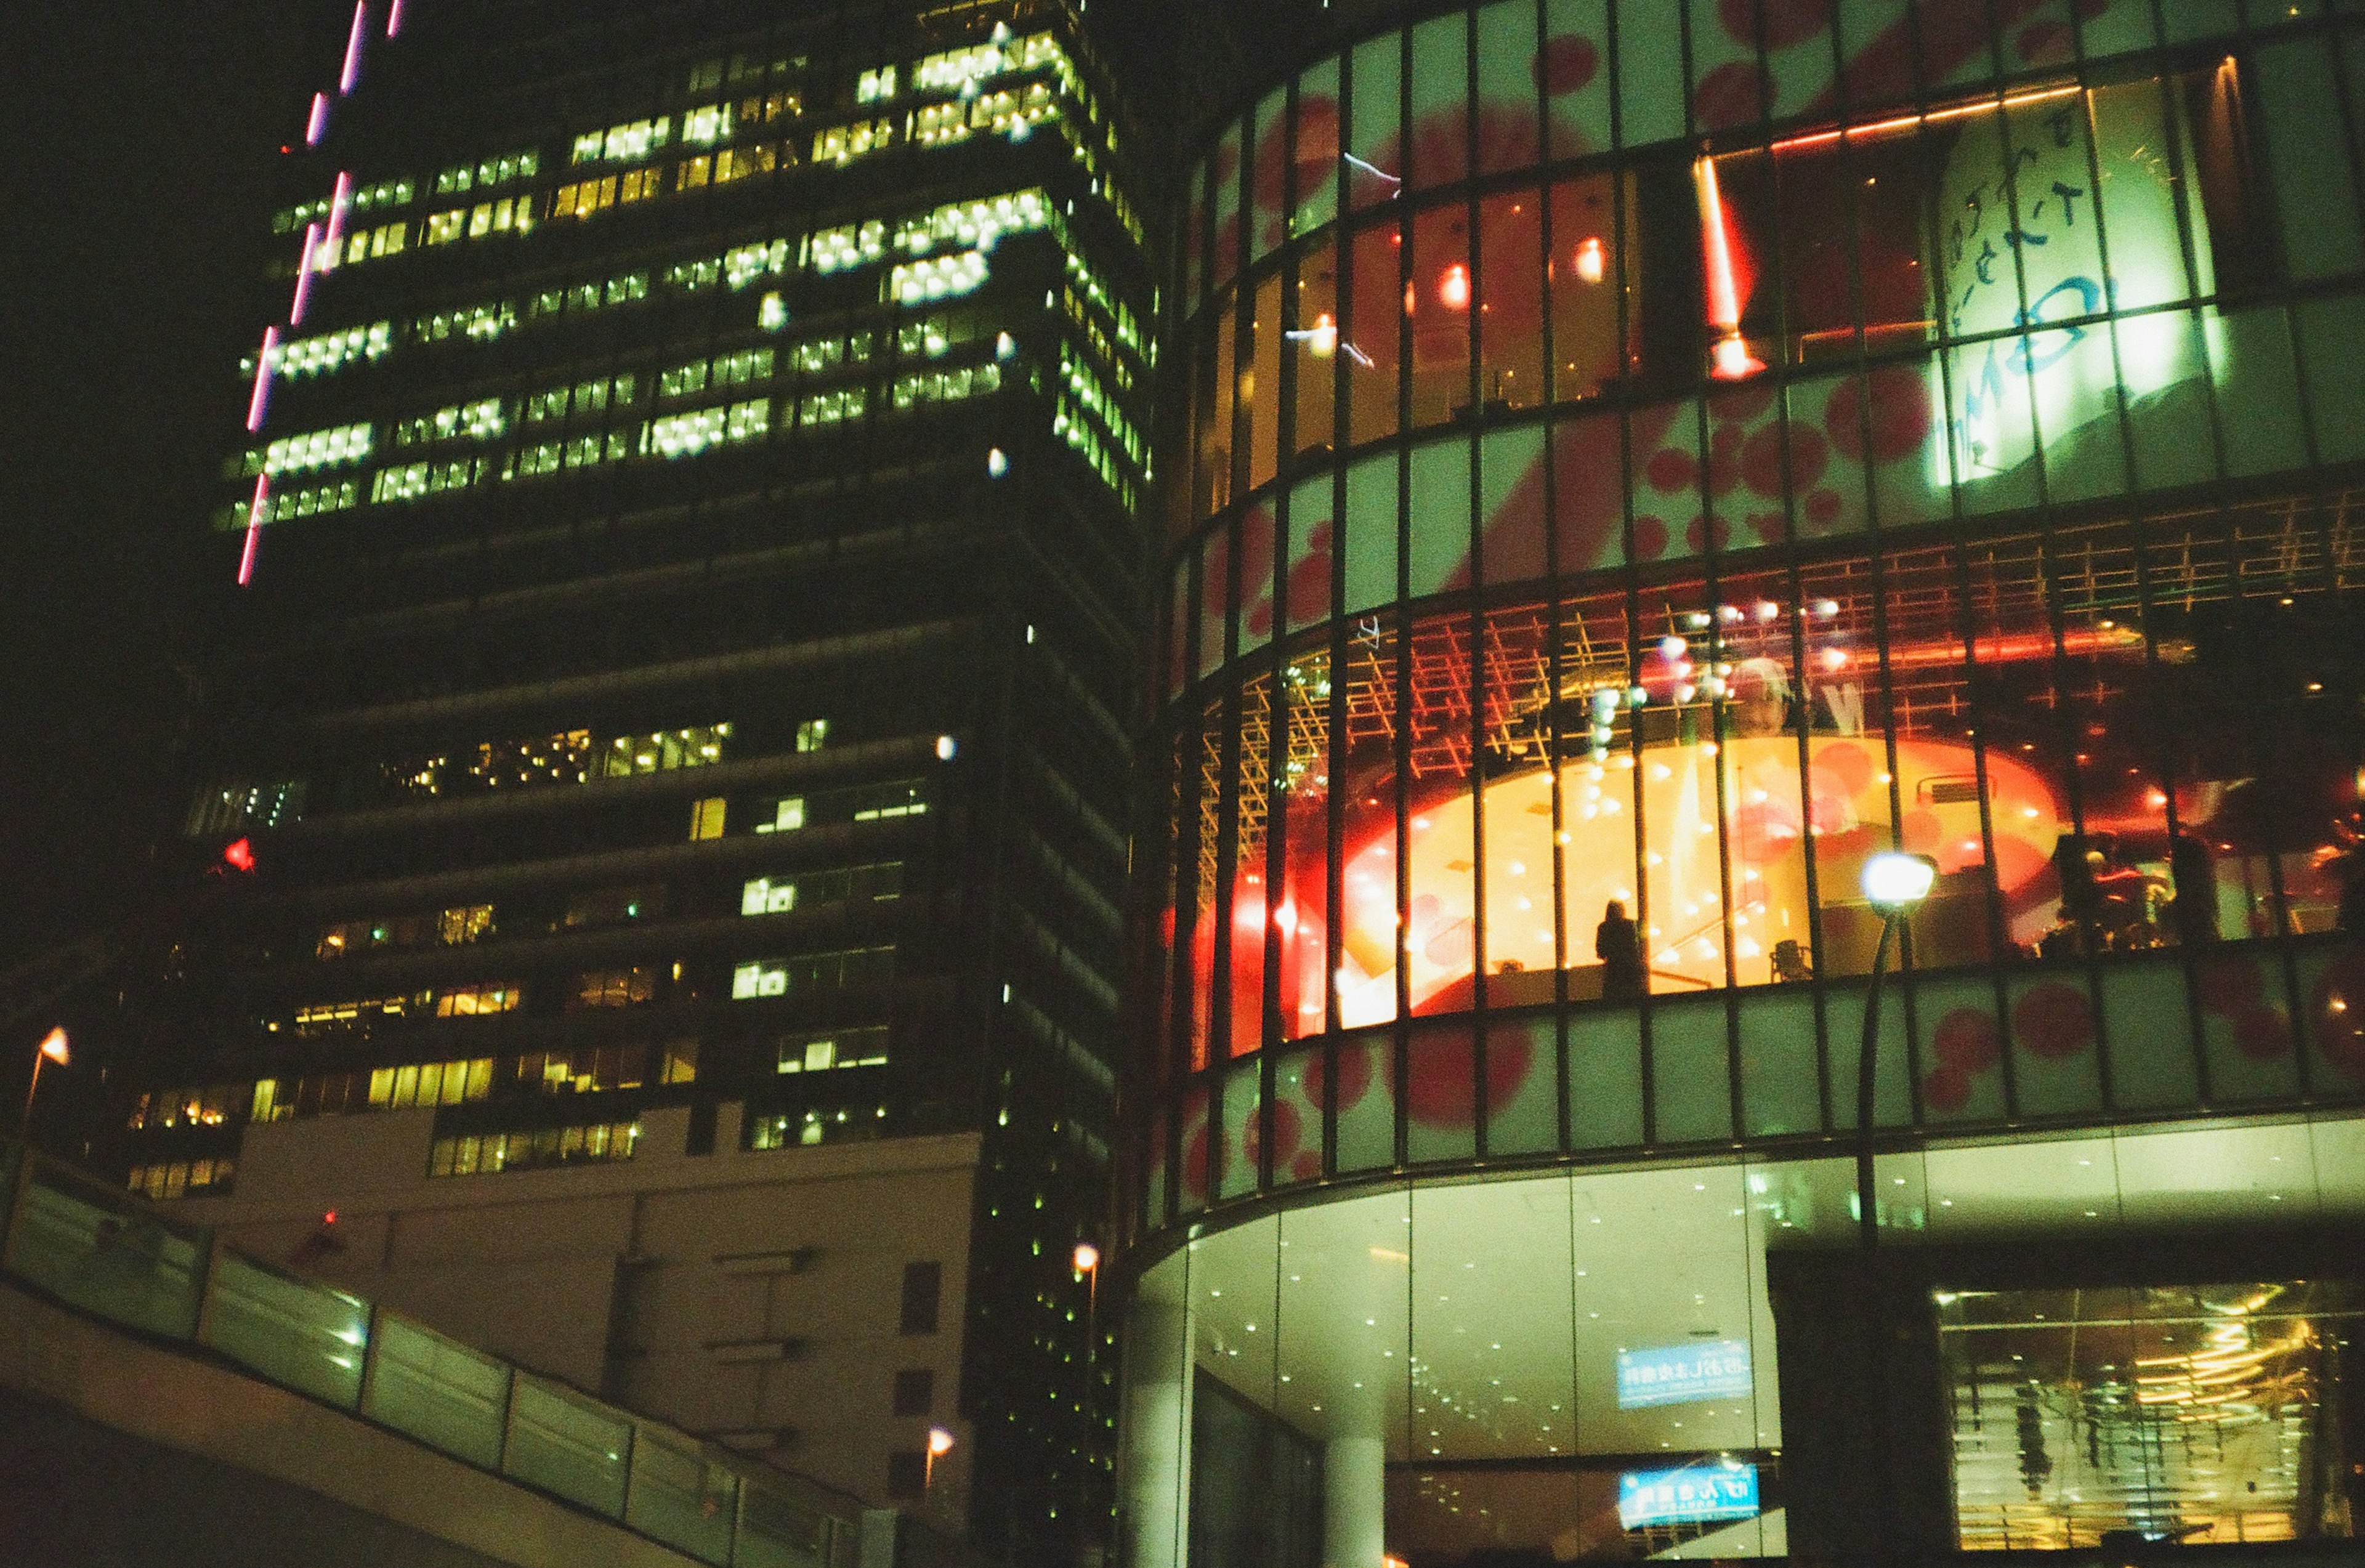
{"x":1679,"y":1374}
{"x":1697,"y":1494}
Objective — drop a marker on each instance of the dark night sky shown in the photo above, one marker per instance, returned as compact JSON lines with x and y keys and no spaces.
{"x":140,"y":138}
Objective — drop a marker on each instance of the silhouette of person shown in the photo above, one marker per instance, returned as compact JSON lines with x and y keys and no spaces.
{"x":1618,"y":943}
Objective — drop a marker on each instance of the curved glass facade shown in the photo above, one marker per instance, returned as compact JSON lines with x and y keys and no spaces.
{"x":1643,"y":460}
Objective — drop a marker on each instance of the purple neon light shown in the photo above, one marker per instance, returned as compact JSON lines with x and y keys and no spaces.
{"x":260,"y":402}
{"x":352,"y":71}
{"x":394,"y":19}
{"x":304,"y":275}
{"x":254,"y":529}
{"x":317,"y":126}
{"x":338,"y":201}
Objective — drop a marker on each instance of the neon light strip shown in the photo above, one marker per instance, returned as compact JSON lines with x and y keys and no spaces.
{"x":317,"y":126}
{"x":338,"y":201}
{"x":1371,"y":169}
{"x":394,"y":19}
{"x":304,"y":275}
{"x":257,"y":404}
{"x":1723,"y":293}
{"x":254,"y":529}
{"x":352,"y":71}
{"x":1906,"y":122}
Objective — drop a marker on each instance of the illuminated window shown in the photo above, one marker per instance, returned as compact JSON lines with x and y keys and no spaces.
{"x":336,"y":448}
{"x":181,"y":1178}
{"x":853,"y":970}
{"x":615,"y":988}
{"x":431,"y":1083}
{"x":354,"y":1016}
{"x":213,"y":1105}
{"x":842,"y":144}
{"x":787,"y":817}
{"x":331,"y":351}
{"x":706,"y":818}
{"x":873,"y":86}
{"x":832,"y":408}
{"x":229,"y":808}
{"x":454,"y":927}
{"x":626,"y":143}
{"x":812,"y":734}
{"x":865,"y":1047}
{"x":487,"y":1153}
{"x":471,"y":1001}
{"x":612,"y":906}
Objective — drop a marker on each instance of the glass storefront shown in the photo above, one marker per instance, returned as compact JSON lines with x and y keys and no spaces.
{"x":1583,"y":1365}
{"x":1640,"y":460}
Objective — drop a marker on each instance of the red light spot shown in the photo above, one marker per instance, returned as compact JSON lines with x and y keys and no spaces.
{"x":1453,"y":287}
{"x":329,"y":1218}
{"x":240,"y":854}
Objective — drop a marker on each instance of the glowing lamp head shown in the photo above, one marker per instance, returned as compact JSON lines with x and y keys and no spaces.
{"x":240,"y":854}
{"x":1322,"y":338}
{"x":1453,"y":287}
{"x":1895,"y":882}
{"x":53,"y":1046}
{"x":941,"y":1442}
{"x":1590,"y":265}
{"x":1088,"y":1257}
{"x":1731,"y":361}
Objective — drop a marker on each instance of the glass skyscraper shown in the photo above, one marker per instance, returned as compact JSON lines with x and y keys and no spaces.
{"x":1642,"y":460}
{"x":681,"y":597}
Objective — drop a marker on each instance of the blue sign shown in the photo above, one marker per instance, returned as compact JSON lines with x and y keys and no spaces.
{"x":1682,"y":1373}
{"x":1697,"y":1494}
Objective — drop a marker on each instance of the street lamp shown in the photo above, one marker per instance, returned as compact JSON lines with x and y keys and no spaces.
{"x":1893,"y":883}
{"x":52,"y":1048}
{"x":940,"y":1443}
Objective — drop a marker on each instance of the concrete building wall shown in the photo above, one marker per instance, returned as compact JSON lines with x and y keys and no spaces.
{"x":754,"y":1297}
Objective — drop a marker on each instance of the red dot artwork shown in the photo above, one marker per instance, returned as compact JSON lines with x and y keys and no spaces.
{"x":2054,"y":1021}
{"x":1898,"y":408}
{"x":1568,"y":64}
{"x":1947,"y":1089}
{"x":1785,"y":22}
{"x":1354,"y":1077}
{"x":1441,"y":1087}
{"x":1967,"y":1039}
{"x":1732,"y":94}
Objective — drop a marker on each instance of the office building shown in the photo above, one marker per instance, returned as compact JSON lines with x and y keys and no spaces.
{"x":1645,"y":461}
{"x":681,"y":600}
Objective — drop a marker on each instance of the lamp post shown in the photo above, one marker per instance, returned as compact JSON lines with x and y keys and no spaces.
{"x":52,"y":1048}
{"x":1893,"y":883}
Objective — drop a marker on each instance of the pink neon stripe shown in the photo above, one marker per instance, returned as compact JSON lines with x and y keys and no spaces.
{"x":254,"y":529}
{"x":352,"y":71}
{"x":304,"y":275}
{"x":394,"y":19}
{"x":257,"y":405}
{"x":317,"y":126}
{"x":338,"y":201}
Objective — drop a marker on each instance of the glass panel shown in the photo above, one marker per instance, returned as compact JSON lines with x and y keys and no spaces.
{"x":1438,"y":300}
{"x":1504,"y":133}
{"x":1224,"y":179}
{"x":1261,"y":384}
{"x":1372,"y":348}
{"x":2314,"y":184}
{"x":1571,"y":72}
{"x":1157,"y":1382}
{"x":564,"y":1443}
{"x":1317,"y":149}
{"x":1269,"y":162}
{"x":105,"y":1252}
{"x":293,"y":1331}
{"x":1511,"y":304}
{"x":777,"y":1532}
{"x":1314,"y":351}
{"x":1374,"y":169}
{"x":1440,"y":141}
{"x":436,"y":1390}
{"x":1364,"y":1070}
{"x":1589,"y":272}
{"x":679,"y":1498}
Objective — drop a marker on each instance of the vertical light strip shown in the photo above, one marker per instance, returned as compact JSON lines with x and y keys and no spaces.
{"x":394,"y":19}
{"x":304,"y":275}
{"x":317,"y":126}
{"x":1730,"y":359}
{"x":352,"y":74}
{"x":259,"y":402}
{"x":340,"y":199}
{"x":254,"y":529}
